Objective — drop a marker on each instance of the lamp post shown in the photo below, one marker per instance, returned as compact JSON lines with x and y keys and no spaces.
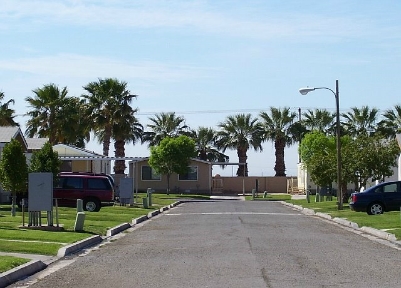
{"x":305,"y":91}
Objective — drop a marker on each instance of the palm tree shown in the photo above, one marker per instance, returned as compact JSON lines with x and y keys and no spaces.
{"x":360,"y":121}
{"x":7,"y":114}
{"x":319,"y":120}
{"x":205,"y":143}
{"x":75,"y":112}
{"x":240,"y":132}
{"x":277,"y":128}
{"x":391,"y":124}
{"x":48,"y":114}
{"x":165,"y":125}
{"x":126,"y":128}
{"x":106,"y":100}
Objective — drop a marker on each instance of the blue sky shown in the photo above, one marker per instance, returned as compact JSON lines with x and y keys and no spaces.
{"x":206,"y":60}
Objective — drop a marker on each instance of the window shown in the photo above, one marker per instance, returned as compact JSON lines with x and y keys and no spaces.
{"x":149,"y":174}
{"x":192,"y":174}
{"x":391,"y":188}
{"x":72,"y":183}
{"x":98,"y":184}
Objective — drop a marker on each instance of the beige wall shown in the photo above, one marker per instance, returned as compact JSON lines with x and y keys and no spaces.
{"x":94,"y":166}
{"x":202,"y":185}
{"x":205,"y":181}
{"x":269,"y":184}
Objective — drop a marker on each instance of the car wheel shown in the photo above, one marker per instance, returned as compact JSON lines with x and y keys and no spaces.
{"x":375,"y":208}
{"x":91,"y":205}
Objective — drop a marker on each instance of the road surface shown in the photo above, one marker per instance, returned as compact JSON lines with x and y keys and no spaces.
{"x":230,"y":244}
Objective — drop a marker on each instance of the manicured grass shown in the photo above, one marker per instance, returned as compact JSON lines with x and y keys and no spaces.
{"x":10,"y":262}
{"x":42,"y":248}
{"x":388,"y":221}
{"x":25,"y":240}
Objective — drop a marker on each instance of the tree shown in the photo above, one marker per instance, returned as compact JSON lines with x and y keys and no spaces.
{"x":363,"y":157}
{"x":6,"y":114}
{"x":109,"y":109}
{"x":391,"y":124}
{"x":240,"y":132}
{"x":106,"y":99}
{"x":45,"y":160}
{"x":13,"y":170}
{"x":74,"y":111}
{"x":318,"y":154}
{"x":164,"y":125}
{"x":360,"y":121}
{"x":172,"y":155}
{"x":277,"y":128}
{"x":126,"y":128}
{"x":319,"y":120}
{"x":205,"y":145}
{"x":47,"y":114}
{"x":373,"y":157}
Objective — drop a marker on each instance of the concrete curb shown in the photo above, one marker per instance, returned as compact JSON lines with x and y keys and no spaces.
{"x":117,"y":229}
{"x":74,"y":247}
{"x":165,"y":208}
{"x":308,"y":211}
{"x":324,"y":215}
{"x":139,"y":219}
{"x":379,"y":233}
{"x":20,"y":272}
{"x":153,"y":213}
{"x":175,"y":204}
{"x":344,"y":222}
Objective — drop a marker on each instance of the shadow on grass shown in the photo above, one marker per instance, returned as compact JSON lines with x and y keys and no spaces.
{"x":5,"y":209}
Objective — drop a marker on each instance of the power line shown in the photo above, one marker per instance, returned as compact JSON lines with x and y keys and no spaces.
{"x":148,"y":113}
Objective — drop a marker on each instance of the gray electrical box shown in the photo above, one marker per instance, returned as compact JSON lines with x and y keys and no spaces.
{"x":40,"y":191}
{"x":126,"y":190}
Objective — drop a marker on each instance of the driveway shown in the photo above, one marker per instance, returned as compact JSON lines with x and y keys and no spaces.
{"x":229,"y":243}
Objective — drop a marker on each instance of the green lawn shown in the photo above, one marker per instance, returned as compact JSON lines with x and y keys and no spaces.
{"x":13,"y":238}
{"x":388,"y":221}
{"x":10,"y":262}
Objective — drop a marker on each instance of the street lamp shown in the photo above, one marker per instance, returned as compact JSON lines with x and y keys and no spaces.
{"x":305,"y":91}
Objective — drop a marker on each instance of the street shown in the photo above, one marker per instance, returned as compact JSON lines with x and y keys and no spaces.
{"x":232,"y":244}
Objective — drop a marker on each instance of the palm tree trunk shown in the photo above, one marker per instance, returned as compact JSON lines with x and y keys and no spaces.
{"x":106,"y":140}
{"x":279,"y":146}
{"x":203,"y":155}
{"x":242,"y":157}
{"x":119,"y":165}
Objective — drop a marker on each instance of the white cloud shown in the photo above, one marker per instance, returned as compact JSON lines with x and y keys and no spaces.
{"x":194,"y":15}
{"x":83,"y":66}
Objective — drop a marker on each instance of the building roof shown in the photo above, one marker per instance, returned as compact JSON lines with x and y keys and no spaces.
{"x":36,"y":143}
{"x":9,"y":132}
{"x":139,"y":159}
{"x":68,"y":150}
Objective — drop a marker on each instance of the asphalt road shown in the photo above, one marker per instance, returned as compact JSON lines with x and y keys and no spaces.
{"x":231,"y":244}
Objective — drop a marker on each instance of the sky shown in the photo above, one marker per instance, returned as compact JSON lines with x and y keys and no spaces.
{"x":207,"y":59}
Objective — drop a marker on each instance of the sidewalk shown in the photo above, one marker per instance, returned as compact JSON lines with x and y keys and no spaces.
{"x":231,"y":197}
{"x":44,"y":258}
{"x":298,"y":197}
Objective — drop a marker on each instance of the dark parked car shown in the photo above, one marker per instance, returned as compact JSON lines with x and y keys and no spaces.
{"x":94,"y":189}
{"x":382,"y":197}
